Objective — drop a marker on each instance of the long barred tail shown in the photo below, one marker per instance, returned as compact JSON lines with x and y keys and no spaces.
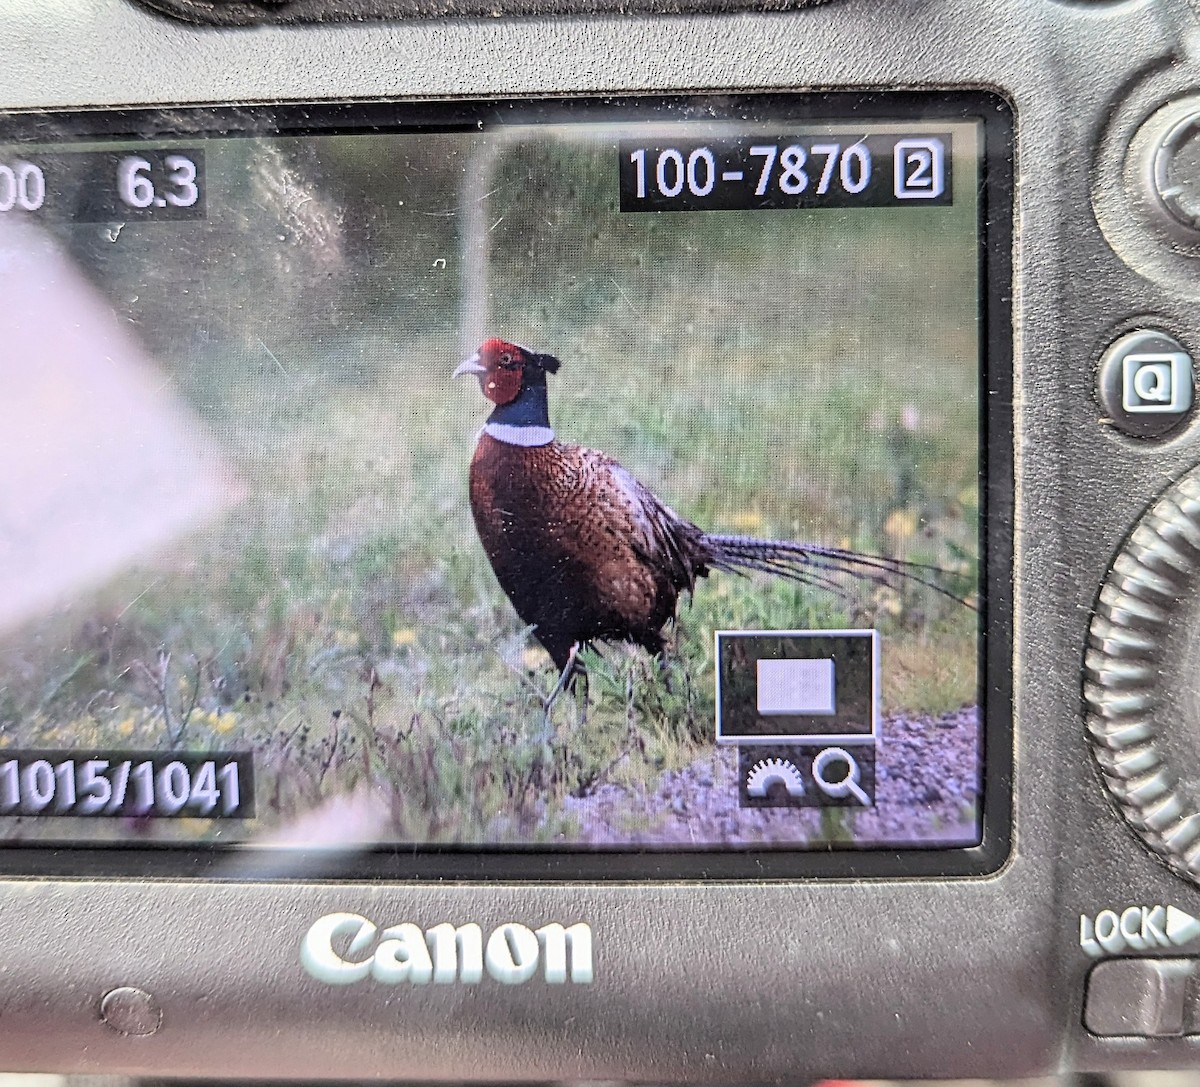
{"x":812,"y":564}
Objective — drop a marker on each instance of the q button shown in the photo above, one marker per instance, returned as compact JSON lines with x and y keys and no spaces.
{"x":1145,"y":384}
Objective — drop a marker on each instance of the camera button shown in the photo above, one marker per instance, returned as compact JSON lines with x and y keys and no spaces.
{"x":1166,"y":156}
{"x":1145,"y":384}
{"x":1138,"y":997}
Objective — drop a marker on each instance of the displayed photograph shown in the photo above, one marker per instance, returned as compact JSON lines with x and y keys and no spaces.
{"x":557,"y":486}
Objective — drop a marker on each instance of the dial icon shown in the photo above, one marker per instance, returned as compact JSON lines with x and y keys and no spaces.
{"x":774,"y":773}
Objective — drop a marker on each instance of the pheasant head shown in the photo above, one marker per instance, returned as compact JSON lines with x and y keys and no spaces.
{"x":505,"y":370}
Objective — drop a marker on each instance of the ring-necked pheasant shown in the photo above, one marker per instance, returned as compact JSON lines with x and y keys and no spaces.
{"x":582,"y":549}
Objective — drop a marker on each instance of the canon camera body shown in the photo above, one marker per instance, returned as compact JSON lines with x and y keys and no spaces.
{"x":590,"y":544}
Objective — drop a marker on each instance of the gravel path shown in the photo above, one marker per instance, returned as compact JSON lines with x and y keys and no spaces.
{"x":926,"y":770}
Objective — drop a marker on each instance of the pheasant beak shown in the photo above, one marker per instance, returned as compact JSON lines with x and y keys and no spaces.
{"x":473,"y":365}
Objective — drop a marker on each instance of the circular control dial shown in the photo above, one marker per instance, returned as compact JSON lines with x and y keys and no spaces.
{"x":1166,"y":151}
{"x":1177,"y":171}
{"x":1142,"y":677}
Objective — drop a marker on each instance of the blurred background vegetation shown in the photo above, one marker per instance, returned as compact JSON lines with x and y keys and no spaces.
{"x":800,"y":375}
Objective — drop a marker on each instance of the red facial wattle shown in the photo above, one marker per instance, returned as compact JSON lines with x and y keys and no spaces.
{"x":505,"y":365}
{"x":500,"y":367}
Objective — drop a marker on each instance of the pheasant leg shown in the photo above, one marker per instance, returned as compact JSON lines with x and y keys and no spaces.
{"x":563,"y":679}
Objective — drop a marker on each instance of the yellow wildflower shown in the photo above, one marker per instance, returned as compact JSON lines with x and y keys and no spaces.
{"x":406,"y":636}
{"x":901,"y":524}
{"x":746,"y":520}
{"x":225,"y":722}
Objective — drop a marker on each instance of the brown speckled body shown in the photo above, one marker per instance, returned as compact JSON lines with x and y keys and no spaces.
{"x":581,"y":548}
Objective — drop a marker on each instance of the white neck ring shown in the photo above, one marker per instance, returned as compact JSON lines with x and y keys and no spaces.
{"x":527,"y":436}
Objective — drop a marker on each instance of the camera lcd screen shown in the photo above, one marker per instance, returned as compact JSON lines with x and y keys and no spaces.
{"x":521,"y":480}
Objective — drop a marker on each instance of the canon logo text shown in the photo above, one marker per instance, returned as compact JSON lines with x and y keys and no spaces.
{"x":343,"y":948}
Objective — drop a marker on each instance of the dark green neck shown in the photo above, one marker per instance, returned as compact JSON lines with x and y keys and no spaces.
{"x":531,"y":408}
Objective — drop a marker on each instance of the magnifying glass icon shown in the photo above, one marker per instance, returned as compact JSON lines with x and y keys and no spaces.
{"x":848,"y":784}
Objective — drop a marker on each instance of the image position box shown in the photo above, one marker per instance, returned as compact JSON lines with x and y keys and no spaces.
{"x":797,"y":686}
{"x":793,"y":686}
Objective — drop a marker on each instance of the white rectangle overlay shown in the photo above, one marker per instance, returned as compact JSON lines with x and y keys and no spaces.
{"x":796,"y":686}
